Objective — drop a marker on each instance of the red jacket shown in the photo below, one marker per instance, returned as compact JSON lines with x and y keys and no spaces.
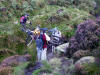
{"x":44,"y":41}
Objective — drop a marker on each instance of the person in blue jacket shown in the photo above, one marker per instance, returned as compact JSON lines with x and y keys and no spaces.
{"x":39,"y":43}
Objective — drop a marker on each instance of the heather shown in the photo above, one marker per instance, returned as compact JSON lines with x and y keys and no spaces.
{"x":86,"y":37}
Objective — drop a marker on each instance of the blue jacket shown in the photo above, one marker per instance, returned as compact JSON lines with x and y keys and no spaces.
{"x":39,"y":42}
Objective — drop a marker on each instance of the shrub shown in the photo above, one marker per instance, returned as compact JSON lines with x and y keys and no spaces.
{"x":90,"y":69}
{"x":14,"y":4}
{"x":87,"y":5}
{"x":6,"y":70}
{"x":97,"y":9}
{"x":46,"y":68}
{"x":26,"y":6}
{"x":96,"y":52}
{"x":36,"y":4}
{"x":85,"y":37}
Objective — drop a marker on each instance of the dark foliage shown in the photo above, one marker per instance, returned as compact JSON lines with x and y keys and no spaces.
{"x":54,"y":19}
{"x":96,"y":52}
{"x":86,"y":37}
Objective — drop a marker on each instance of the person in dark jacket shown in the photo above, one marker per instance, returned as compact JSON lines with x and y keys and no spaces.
{"x":23,"y":20}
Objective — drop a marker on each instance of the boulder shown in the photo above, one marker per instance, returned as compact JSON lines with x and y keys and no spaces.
{"x":55,"y":62}
{"x":80,"y":65}
{"x":61,"y":48}
{"x":80,"y":53}
{"x":14,"y":60}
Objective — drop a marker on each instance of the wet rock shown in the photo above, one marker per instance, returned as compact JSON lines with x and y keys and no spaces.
{"x":14,"y":60}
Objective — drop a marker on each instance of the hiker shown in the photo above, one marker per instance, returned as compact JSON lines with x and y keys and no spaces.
{"x":46,"y":38}
{"x":39,"y":43}
{"x":56,"y":33}
{"x":55,"y":38}
{"x":23,"y":20}
{"x":41,"y":39}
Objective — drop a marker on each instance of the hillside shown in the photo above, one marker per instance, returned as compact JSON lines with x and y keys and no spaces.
{"x":76,"y":19}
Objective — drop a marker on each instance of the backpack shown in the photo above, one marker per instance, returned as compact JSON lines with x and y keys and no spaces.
{"x":44,"y":41}
{"x":47,"y":37}
{"x":22,"y":19}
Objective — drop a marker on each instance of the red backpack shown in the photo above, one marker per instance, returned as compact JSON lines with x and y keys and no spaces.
{"x":22,"y":19}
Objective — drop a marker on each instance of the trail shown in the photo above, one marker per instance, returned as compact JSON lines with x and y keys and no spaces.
{"x":50,"y":56}
{"x":31,"y":68}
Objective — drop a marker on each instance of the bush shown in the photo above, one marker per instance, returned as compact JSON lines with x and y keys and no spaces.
{"x":26,"y":6}
{"x":14,"y":4}
{"x":87,"y":5}
{"x":96,"y":52}
{"x":6,"y":70}
{"x":36,"y":4}
{"x":46,"y":68}
{"x":85,"y":37}
{"x":90,"y":69}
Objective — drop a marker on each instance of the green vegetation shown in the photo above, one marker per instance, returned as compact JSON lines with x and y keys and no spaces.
{"x":19,"y":70}
{"x":46,"y":68}
{"x":64,"y":14}
{"x":92,"y":69}
{"x":41,"y":12}
{"x":65,"y":20}
{"x":54,"y":67}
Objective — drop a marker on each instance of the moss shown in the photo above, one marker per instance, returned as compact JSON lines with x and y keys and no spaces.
{"x":92,"y":69}
{"x":46,"y":68}
{"x":36,"y":72}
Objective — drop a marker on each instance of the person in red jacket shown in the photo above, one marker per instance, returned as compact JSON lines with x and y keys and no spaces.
{"x":44,"y":52}
{"x":23,"y":20}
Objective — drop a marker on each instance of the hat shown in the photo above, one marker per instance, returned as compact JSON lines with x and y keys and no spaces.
{"x":37,"y":31}
{"x":27,"y":15}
